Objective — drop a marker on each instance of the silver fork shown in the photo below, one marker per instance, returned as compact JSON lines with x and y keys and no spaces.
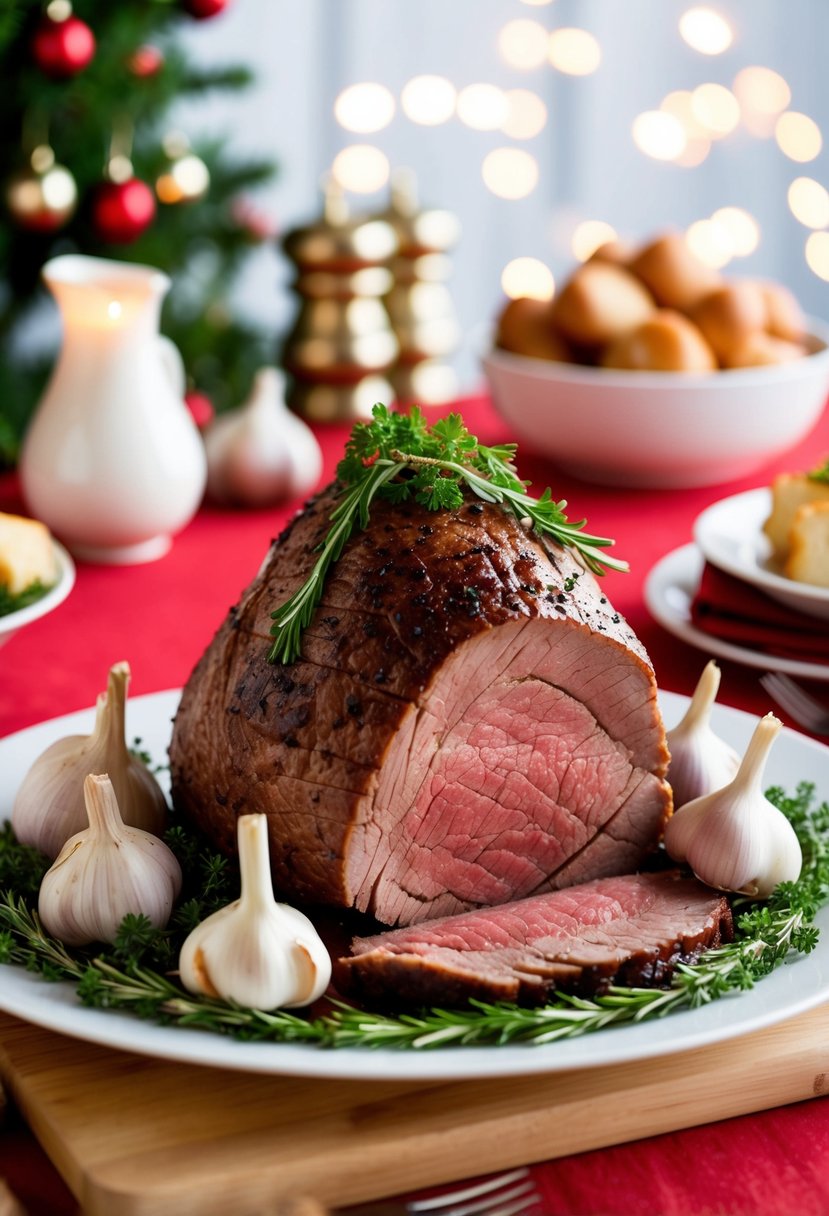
{"x":510,"y":1194}
{"x":798,"y":703}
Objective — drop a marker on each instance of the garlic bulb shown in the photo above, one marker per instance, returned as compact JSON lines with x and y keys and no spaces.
{"x":261,"y":453}
{"x":734,"y":838}
{"x":701,"y":762}
{"x":49,"y":807}
{"x":105,"y":872}
{"x":259,"y":953}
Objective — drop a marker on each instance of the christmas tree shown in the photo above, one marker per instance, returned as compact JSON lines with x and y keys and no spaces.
{"x":90,"y":165}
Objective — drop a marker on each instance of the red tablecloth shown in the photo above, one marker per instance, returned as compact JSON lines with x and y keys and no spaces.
{"x":161,"y":616}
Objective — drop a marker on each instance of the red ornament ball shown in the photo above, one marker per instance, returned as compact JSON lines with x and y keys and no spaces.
{"x":202,"y":10}
{"x":122,"y":210}
{"x":201,"y":407}
{"x":146,"y":61}
{"x":62,"y":48}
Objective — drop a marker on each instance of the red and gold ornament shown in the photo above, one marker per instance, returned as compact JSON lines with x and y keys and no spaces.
{"x":200,"y":407}
{"x":62,"y":44}
{"x":203,"y":10}
{"x":146,"y":61}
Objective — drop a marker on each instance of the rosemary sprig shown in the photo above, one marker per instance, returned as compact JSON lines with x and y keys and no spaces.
{"x":399,"y":457}
{"x":125,"y":978}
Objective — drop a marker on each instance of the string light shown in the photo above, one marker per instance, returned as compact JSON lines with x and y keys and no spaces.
{"x":526,"y":114}
{"x":482,"y":107}
{"x":537,"y":3}
{"x":528,"y":277}
{"x":364,"y":108}
{"x":428,"y":100}
{"x":574,"y":51}
{"x":589,"y":236}
{"x":817,"y":254}
{"x":706,"y":31}
{"x":710,"y":242}
{"x":762,"y":94}
{"x":798,"y":136}
{"x":716,"y":109}
{"x":679,"y":103}
{"x":523,"y":44}
{"x":659,"y":135}
{"x":361,"y":168}
{"x":742,"y":228}
{"x":510,"y":172}
{"x":809,"y":202}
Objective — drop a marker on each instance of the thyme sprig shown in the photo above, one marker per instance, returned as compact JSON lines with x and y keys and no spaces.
{"x":134,"y":974}
{"x":399,"y":457}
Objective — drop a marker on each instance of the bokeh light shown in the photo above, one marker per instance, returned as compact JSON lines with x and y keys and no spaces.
{"x":809,"y":202}
{"x":361,"y":168}
{"x":523,"y":44}
{"x":482,"y":107}
{"x":817,"y":254}
{"x":510,"y":172}
{"x":574,"y":51}
{"x":761,"y":91}
{"x":742,"y":228}
{"x":659,"y":135}
{"x":679,"y":103}
{"x":528,"y":277}
{"x":589,"y":235}
{"x":716,"y":109}
{"x":706,"y":31}
{"x":537,"y":3}
{"x":364,"y":108}
{"x":798,"y":136}
{"x":526,"y":114}
{"x":428,"y":100}
{"x":710,"y":242}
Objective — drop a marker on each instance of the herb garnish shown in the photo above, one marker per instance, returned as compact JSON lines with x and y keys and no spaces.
{"x":821,"y":473}
{"x":130,"y":975}
{"x":29,"y":595}
{"x":399,"y":457}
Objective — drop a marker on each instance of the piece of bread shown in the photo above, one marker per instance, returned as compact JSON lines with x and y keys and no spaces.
{"x":600,"y":302}
{"x":666,"y":342}
{"x":673,"y":274}
{"x":525,"y":327}
{"x":729,"y":315}
{"x":790,"y":492}
{"x":784,"y":318}
{"x":808,"y":560}
{"x":618,"y":253}
{"x":26,"y":554}
{"x":760,"y":349}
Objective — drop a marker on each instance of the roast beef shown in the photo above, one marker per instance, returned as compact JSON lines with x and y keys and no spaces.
{"x":470,"y":721}
{"x":628,"y":930}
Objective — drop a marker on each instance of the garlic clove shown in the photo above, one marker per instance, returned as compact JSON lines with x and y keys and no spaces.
{"x":734,"y":838}
{"x":105,"y":872}
{"x":256,"y":952}
{"x":261,"y":453}
{"x":50,"y":806}
{"x":701,"y":762}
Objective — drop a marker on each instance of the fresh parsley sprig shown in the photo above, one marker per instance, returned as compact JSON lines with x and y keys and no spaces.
{"x":399,"y":457}
{"x":134,"y":974}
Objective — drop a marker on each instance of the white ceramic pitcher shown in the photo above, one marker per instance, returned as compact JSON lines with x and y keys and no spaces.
{"x":112,"y":461}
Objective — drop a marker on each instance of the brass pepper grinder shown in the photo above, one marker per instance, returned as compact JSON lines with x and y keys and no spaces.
{"x":341,"y":345}
{"x":420,"y":304}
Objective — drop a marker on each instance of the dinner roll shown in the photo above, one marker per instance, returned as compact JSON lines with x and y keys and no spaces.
{"x":600,"y":302}
{"x":674,"y":275}
{"x":783,"y":316}
{"x":617,"y":252}
{"x":525,"y":327}
{"x":666,"y":342}
{"x":760,"y":349}
{"x":790,"y":492}
{"x":729,"y":315}
{"x":808,"y":561}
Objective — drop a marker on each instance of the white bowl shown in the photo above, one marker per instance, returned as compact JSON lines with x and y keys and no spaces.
{"x":12,"y":621}
{"x":661,"y":429}
{"x":730,"y":535}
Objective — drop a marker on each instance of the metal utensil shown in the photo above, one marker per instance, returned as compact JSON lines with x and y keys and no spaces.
{"x":799,"y":704}
{"x":510,"y":1194}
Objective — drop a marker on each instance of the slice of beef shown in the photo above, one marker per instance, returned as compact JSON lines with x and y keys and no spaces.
{"x":470,"y":721}
{"x":628,"y":930}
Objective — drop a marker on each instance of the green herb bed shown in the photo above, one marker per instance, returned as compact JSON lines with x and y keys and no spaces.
{"x":29,"y":595}
{"x":137,"y":973}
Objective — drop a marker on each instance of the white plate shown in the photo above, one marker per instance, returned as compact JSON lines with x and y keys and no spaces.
{"x":793,"y":988}
{"x":12,"y":621}
{"x":730,"y":534}
{"x":669,"y":589}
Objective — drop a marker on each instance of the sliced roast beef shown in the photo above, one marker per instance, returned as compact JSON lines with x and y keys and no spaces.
{"x":629,"y":930}
{"x":470,"y":721}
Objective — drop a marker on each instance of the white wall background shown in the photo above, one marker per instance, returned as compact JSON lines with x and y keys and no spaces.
{"x":305,"y":51}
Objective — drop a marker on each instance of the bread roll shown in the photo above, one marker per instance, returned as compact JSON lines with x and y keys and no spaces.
{"x":525,"y":327}
{"x":618,"y":253}
{"x":762,"y":350}
{"x":666,"y":342}
{"x":808,"y":561}
{"x":673,"y":274}
{"x":729,"y":315}
{"x":783,"y":316}
{"x":790,"y":492}
{"x":600,"y":302}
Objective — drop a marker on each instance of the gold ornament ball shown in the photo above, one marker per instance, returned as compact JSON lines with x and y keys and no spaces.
{"x":43,"y":196}
{"x":186,"y":178}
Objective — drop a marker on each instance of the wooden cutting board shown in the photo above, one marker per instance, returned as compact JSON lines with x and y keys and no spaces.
{"x":134,"y":1136}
